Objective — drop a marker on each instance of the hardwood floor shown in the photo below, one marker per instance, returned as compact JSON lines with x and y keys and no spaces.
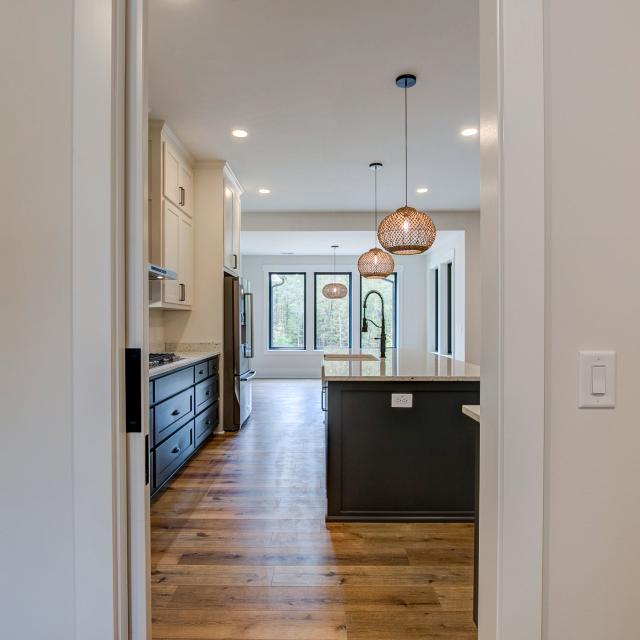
{"x":240,"y":549}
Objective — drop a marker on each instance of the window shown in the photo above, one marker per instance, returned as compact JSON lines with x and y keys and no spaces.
{"x":449,"y":308}
{"x":388,"y":288}
{"x":332,"y":317}
{"x":287,"y":302}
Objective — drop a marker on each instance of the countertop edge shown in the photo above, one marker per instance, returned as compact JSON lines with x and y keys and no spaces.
{"x":400,"y":378}
{"x":188,"y":358}
{"x":472,"y":411}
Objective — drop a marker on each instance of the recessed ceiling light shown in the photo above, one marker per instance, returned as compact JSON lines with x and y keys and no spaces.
{"x":422,"y":190}
{"x":471,"y":131}
{"x":264,"y":191}
{"x":239,"y":133}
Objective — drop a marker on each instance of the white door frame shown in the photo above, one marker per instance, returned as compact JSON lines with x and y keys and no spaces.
{"x":513,"y":319}
{"x":513,"y":258}
{"x":137,"y":314}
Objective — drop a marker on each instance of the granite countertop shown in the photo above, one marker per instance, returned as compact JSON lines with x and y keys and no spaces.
{"x":399,"y":365}
{"x":472,"y":410}
{"x":188,"y":357}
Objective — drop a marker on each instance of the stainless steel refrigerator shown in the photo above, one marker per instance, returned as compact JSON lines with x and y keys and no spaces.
{"x":238,"y":352}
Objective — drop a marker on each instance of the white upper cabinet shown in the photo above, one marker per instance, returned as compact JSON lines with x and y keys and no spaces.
{"x":185,"y":188}
{"x":171,"y":221}
{"x":185,"y":261}
{"x":171,"y":218}
{"x":171,"y":174}
{"x":231,"y":220}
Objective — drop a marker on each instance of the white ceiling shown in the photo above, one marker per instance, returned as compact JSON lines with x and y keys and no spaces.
{"x":313,"y":83}
{"x":313,"y":243}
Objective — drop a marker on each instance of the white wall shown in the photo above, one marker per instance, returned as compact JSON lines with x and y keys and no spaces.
{"x":278,"y":364}
{"x":56,"y":463}
{"x":592,"y":496}
{"x":36,"y":528}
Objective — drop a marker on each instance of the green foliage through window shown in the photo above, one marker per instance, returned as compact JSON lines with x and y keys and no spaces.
{"x":287,"y":321}
{"x":332,"y":316}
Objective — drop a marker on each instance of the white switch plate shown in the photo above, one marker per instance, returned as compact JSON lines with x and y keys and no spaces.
{"x":402,"y":400}
{"x":597,"y":380}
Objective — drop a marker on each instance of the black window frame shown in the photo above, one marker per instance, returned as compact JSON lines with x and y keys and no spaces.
{"x":304,"y":310}
{"x":394,"y":343}
{"x":315,"y":301}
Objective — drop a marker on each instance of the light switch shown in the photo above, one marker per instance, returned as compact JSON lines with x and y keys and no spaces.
{"x":597,"y":379}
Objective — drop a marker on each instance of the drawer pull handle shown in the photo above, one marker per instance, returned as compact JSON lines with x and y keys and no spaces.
{"x":207,"y":393}
{"x":208,"y":422}
{"x":200,"y":372}
{"x":175,"y":412}
{"x":175,"y":450}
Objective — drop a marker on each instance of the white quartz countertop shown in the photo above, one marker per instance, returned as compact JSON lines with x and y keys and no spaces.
{"x":187,"y":358}
{"x":399,"y":365}
{"x":472,"y":410}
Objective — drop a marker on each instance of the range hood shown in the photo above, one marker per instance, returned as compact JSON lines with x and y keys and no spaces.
{"x":160,"y":273}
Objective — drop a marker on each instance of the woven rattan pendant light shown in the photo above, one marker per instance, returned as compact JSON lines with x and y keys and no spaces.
{"x":406,"y":231}
{"x":334,"y":290}
{"x":375,"y":263}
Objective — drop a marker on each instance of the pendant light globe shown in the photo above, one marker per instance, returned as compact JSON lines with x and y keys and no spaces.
{"x":406,"y":231}
{"x":334,"y":290}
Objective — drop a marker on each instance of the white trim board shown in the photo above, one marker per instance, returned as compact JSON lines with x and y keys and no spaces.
{"x":513,"y":341}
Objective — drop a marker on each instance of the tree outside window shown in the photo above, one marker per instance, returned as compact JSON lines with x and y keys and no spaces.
{"x":287,"y":320}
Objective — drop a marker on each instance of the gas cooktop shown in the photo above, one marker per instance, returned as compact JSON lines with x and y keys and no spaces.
{"x":158,"y":359}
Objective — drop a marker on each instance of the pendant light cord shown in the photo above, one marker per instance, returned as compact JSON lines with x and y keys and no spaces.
{"x":375,"y":204}
{"x":406,"y":153}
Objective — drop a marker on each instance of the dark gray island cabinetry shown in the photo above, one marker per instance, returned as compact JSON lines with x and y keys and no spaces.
{"x":183,"y":413}
{"x":398,"y":446}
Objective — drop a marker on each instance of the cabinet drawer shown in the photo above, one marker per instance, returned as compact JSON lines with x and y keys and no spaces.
{"x":171,"y":384}
{"x":213,"y":366}
{"x":172,"y":453}
{"x":205,"y":423}
{"x":206,"y":393}
{"x":171,"y":413}
{"x":201,"y":371}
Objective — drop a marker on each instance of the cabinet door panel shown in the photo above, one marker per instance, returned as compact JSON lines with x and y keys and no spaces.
{"x":229,"y":260}
{"x":236,"y":230}
{"x":186,"y":182}
{"x":171,"y":174}
{"x":171,"y":251}
{"x":185,"y":268}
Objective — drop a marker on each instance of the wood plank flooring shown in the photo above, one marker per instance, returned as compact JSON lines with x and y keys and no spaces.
{"x":240,"y":549}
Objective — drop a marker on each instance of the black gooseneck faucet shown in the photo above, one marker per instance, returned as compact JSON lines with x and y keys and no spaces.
{"x":365,"y":321}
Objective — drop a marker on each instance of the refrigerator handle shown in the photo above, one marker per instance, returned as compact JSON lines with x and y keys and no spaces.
{"x":248,"y":315}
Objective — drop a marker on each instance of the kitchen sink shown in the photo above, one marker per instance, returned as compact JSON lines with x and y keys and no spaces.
{"x":350,"y":356}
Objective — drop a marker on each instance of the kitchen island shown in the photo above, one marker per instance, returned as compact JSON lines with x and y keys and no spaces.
{"x":398,"y":445}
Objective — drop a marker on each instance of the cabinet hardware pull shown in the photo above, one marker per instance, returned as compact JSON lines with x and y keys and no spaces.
{"x":207,"y":393}
{"x":182,"y":196}
{"x":175,"y":412}
{"x":183,"y":292}
{"x":208,"y":422}
{"x":235,"y":260}
{"x":175,"y":450}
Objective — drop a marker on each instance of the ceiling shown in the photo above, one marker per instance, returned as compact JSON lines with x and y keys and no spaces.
{"x":312,"y":81}
{"x":313,"y":243}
